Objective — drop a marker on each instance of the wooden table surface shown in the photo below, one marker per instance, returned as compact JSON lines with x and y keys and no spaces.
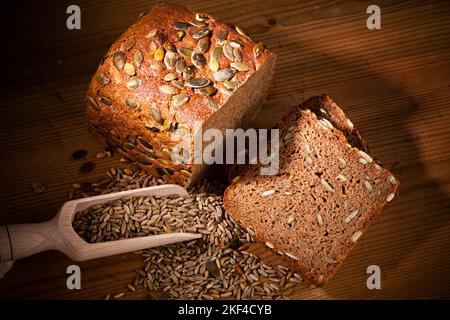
{"x":393,"y":83}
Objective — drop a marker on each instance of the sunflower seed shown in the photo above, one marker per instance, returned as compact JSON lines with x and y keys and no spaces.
{"x":368,"y":185}
{"x":138,"y":58}
{"x":392,"y":179}
{"x":212,"y":105}
{"x":224,"y":74}
{"x":203,"y":44}
{"x":133,"y":83}
{"x":185,"y":52}
{"x":167,"y":89}
{"x":201,"y":33}
{"x":169,"y":59}
{"x":319,"y":219}
{"x":236,"y":44}
{"x":198,"y":59}
{"x":198,"y":82}
{"x":292,"y":256}
{"x":179,"y":100}
{"x":390,"y":197}
{"x":267,"y":193}
{"x":152,"y":33}
{"x":290,"y":219}
{"x":202,"y":17}
{"x":270,"y":245}
{"x":206,"y":91}
{"x":365,"y":156}
{"x":152,"y":129}
{"x":119,"y":59}
{"x":258,"y":49}
{"x":181,"y":25}
{"x":131,"y":104}
{"x":129,"y":69}
{"x":177,"y":84}
{"x":351,"y":216}
{"x":145,"y":142}
{"x":342,"y":163}
{"x":327,"y":185}
{"x":240,"y":66}
{"x":198,"y":24}
{"x":356,"y":236}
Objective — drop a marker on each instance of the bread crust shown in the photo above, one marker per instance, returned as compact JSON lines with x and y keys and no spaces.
{"x":125,"y":103}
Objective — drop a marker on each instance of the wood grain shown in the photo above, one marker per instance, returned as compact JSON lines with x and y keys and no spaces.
{"x":393,"y":83}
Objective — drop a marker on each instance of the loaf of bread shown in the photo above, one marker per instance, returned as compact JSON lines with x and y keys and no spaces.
{"x":171,"y":69}
{"x":324,"y":197}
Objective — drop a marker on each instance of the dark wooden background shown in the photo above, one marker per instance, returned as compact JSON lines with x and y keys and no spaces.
{"x":393,"y":83}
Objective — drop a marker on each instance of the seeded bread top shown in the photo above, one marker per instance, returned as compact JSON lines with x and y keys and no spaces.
{"x":174,"y":65}
{"x":322,"y":200}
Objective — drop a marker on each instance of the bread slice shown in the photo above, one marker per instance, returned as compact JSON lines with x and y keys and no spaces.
{"x":171,"y":69}
{"x":323,"y":199}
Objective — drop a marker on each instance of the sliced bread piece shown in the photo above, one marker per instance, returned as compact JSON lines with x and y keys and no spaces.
{"x":319,"y":204}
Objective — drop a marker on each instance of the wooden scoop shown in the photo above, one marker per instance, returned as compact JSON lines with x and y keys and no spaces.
{"x":23,"y":240}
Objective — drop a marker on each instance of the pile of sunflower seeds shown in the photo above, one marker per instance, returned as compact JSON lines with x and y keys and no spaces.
{"x":213,"y":267}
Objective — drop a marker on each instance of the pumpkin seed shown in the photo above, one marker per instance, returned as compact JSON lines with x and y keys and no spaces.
{"x":179,"y":100}
{"x":198,"y":59}
{"x":185,"y":52}
{"x":236,"y":44}
{"x":203,"y":44}
{"x":228,"y":51}
{"x":216,"y":53}
{"x":202,"y":17}
{"x":119,"y":59}
{"x":237,"y":54}
{"x":145,"y":142}
{"x":129,"y":69}
{"x":241,"y":31}
{"x":201,"y":33}
{"x":225,"y":91}
{"x":102,"y":79}
{"x":258,"y":49}
{"x":181,"y":25}
{"x":221,"y":36}
{"x":169,"y":46}
{"x":152,"y":33}
{"x":177,"y":84}
{"x":169,"y":59}
{"x":198,"y":24}
{"x":152,"y":47}
{"x":213,"y":65}
{"x":206,"y":91}
{"x":198,"y":82}
{"x":159,"y":38}
{"x":211,"y":104}
{"x":159,"y":54}
{"x":157,"y":66}
{"x":179,"y":66}
{"x":93,"y":104}
{"x":156,"y":114}
{"x":230,"y":85}
{"x":189,"y":72}
{"x":170,"y":76}
{"x":105,"y":100}
{"x":182,"y":130}
{"x":134,"y":83}
{"x":166,"y":89}
{"x":240,"y":66}
{"x":222,"y":75}
{"x":138,"y":58}
{"x":179,"y":35}
{"x":131,"y":104}
{"x":128,"y":44}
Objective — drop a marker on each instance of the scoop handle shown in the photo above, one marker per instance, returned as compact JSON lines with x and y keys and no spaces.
{"x":22,"y":240}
